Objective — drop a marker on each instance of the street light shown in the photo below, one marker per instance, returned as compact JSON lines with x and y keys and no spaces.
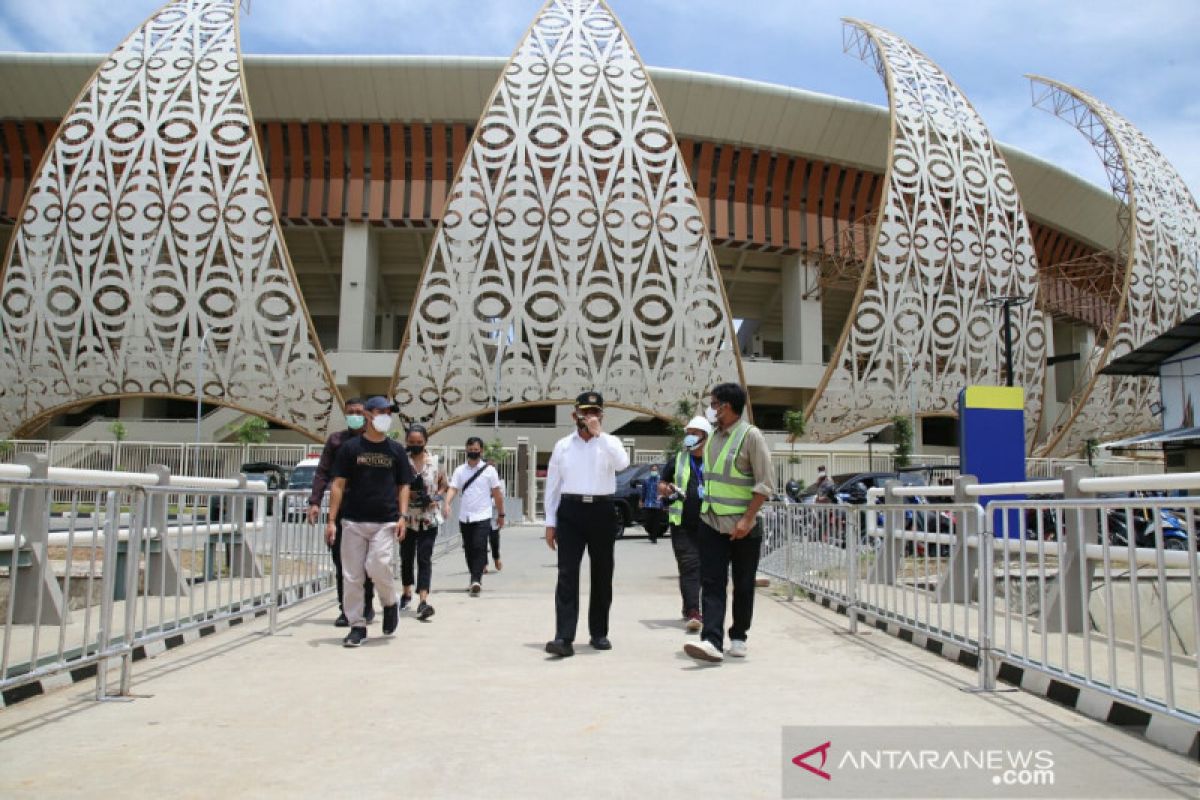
{"x":912,"y":393}
{"x":1007,"y":302}
{"x":871,"y":439}
{"x":199,"y":383}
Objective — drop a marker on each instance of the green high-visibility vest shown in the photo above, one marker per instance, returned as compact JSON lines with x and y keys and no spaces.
{"x":727,"y":490}
{"x":683,"y":474}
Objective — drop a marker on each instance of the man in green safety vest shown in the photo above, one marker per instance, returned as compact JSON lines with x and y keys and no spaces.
{"x":681,"y":486}
{"x":738,"y":479}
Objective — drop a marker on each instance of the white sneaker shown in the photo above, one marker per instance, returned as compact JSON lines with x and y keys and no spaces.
{"x":704,"y":651}
{"x":475,"y":589}
{"x":737,"y":648}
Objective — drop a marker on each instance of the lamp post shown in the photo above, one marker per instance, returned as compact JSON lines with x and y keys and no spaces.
{"x":1007,"y":302}
{"x":199,"y":384}
{"x":871,"y":437}
{"x":912,"y":392}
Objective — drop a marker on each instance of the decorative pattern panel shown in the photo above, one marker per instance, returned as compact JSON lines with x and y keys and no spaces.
{"x":572,"y":253}
{"x":1160,"y":226}
{"x":148,"y":227}
{"x":951,"y":235}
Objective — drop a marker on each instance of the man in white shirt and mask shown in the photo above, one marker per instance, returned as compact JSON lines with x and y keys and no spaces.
{"x":580,"y":484}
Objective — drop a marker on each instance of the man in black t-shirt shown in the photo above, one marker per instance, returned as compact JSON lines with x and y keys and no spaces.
{"x":369,"y":493}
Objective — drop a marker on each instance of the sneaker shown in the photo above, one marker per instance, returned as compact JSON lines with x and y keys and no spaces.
{"x":341,"y":622}
{"x":424,"y":611}
{"x":355,"y":637}
{"x":704,"y":651}
{"x":737,"y":648}
{"x":369,"y":614}
{"x":476,"y":589}
{"x":694,"y":621}
{"x":391,"y":618}
{"x":405,"y":599}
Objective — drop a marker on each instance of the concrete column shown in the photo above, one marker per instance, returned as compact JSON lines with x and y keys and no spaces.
{"x":37,"y":598}
{"x":801,"y":310}
{"x":387,"y":328}
{"x":360,"y":283}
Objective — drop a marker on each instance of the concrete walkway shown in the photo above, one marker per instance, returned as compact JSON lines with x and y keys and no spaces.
{"x":468,"y":705}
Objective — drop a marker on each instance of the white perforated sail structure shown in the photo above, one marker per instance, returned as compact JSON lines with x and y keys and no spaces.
{"x":572,"y":254}
{"x":951,"y":235}
{"x":1159,"y":226}
{"x":147,"y":225}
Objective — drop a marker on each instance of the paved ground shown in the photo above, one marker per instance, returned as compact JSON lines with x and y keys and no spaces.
{"x":468,"y":705}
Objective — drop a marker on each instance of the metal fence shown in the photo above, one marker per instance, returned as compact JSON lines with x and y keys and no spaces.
{"x":1090,"y":590}
{"x":96,"y":565}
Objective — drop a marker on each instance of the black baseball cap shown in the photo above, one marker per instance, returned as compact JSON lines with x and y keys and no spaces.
{"x":590,"y":400}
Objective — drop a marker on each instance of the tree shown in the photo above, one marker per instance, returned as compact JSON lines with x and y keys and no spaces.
{"x":118,"y":430}
{"x":494,"y":452}
{"x":793,"y":423}
{"x":902,"y":435}
{"x":253,"y":431}
{"x":1089,"y":450}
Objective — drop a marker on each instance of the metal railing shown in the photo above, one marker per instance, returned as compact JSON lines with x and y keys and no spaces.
{"x":1093,"y":591}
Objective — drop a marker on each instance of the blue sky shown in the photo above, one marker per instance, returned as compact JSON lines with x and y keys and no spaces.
{"x":1140,"y":57}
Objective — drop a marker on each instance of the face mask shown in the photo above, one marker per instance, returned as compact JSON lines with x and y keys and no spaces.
{"x":355,"y":421}
{"x":473,"y":455}
{"x":415,"y":449}
{"x":382,"y":423}
{"x":710,"y":414}
{"x":691,"y":440}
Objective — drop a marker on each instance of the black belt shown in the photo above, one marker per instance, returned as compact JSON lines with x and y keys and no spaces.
{"x":588,"y":498}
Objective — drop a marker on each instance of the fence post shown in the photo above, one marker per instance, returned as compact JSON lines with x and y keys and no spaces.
{"x":242,"y":562}
{"x":163,"y":576}
{"x":1074,"y":570}
{"x":961,"y":562}
{"x":276,"y":537}
{"x":789,"y":527}
{"x":986,"y":591}
{"x":852,"y":540}
{"x":522,"y":489}
{"x":36,"y":583}
{"x":137,"y":521}
{"x":108,"y":588}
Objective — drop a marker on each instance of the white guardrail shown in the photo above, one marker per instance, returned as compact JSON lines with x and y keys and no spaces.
{"x":97,"y":565}
{"x":1081,"y":579}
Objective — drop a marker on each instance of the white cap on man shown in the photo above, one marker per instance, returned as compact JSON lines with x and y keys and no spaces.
{"x":699,"y":424}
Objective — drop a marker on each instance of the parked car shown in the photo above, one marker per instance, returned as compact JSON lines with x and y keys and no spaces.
{"x":301,"y":479}
{"x":274,"y":475}
{"x":628,"y":497}
{"x":846,"y":485}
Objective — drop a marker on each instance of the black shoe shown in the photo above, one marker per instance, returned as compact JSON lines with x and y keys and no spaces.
{"x":405,"y":599}
{"x":558,"y":647}
{"x":391,"y":618}
{"x":355,"y":637}
{"x":369,"y":614}
{"x":341,"y":622}
{"x":424,"y":611}
{"x":600,"y":643}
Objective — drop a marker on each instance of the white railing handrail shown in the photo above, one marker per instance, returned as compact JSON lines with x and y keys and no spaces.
{"x":15,"y":471}
{"x":1117,"y":484}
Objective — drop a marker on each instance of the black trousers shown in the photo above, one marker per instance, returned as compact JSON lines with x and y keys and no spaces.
{"x":719,"y":556}
{"x":686,"y":544}
{"x":494,"y":540}
{"x":584,"y":526}
{"x":335,"y":550}
{"x":418,"y":547}
{"x":655,"y":520}
{"x":475,"y":546}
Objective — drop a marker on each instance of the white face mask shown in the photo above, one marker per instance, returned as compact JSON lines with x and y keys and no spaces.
{"x":691,"y":440}
{"x":710,"y":414}
{"x":382,"y":423}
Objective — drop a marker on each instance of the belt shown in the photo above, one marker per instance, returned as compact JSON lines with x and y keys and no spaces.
{"x":588,"y":498}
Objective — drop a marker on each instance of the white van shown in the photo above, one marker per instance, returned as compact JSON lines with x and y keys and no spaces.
{"x":301,"y":479}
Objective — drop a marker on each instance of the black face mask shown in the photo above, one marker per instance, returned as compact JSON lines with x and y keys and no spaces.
{"x":473,"y":455}
{"x":415,"y":449}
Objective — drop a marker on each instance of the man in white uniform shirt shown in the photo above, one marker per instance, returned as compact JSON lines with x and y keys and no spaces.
{"x":580,"y":483}
{"x":479,"y":485}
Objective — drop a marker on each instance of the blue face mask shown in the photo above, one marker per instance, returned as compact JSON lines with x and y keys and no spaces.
{"x":691,"y":440}
{"x":355,"y":421}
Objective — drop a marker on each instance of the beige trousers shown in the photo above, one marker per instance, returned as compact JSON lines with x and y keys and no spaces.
{"x":366,"y":552}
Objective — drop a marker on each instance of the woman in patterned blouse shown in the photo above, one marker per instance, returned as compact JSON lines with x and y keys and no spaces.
{"x":426,"y":511}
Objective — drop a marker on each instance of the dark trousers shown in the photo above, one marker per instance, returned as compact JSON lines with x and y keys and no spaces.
{"x":583,"y":526}
{"x":417,"y":547}
{"x":494,"y":540}
{"x":654,"y":521}
{"x":475,"y":546}
{"x":335,"y":550}
{"x":720,"y":555}
{"x":685,"y":543}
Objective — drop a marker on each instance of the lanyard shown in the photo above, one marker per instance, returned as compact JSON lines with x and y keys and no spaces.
{"x":698,"y":471}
